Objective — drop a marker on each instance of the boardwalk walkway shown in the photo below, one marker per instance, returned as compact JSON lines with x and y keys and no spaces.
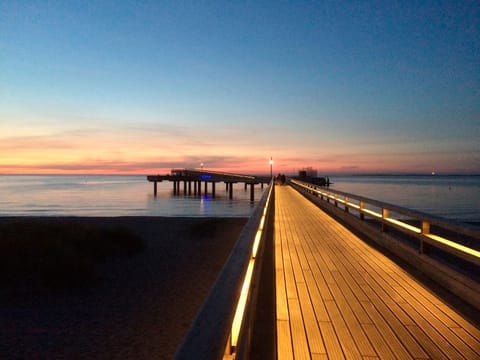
{"x":339,"y":298}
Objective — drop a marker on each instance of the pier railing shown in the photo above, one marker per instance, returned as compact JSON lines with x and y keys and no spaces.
{"x":222,"y":328}
{"x":447,"y":251}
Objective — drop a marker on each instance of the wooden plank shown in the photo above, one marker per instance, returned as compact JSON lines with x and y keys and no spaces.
{"x":299,"y":337}
{"x":420,"y":298}
{"x":314,"y":337}
{"x":318,"y":276}
{"x":281,"y":295}
{"x":345,"y":338}
{"x":389,"y":312}
{"x":334,"y":349}
{"x":289,"y":277}
{"x":386,"y":332}
{"x":428,"y":314}
{"x":430,"y":346}
{"x":317,"y":301}
{"x":432,"y":333}
{"x":378,"y":341}
{"x":352,"y":295}
{"x":284,"y":341}
{"x":354,"y":326}
{"x":297,"y":269}
{"x":460,"y":321}
{"x":320,"y":357}
{"x":473,"y":342}
{"x":302,"y":249}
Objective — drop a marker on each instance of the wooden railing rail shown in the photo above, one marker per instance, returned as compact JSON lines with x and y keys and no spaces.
{"x":408,"y":221}
{"x":221,"y":327}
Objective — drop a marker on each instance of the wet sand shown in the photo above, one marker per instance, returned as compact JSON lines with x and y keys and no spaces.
{"x":141,"y":306}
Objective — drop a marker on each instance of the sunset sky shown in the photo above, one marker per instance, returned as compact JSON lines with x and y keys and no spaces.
{"x":140,"y":87}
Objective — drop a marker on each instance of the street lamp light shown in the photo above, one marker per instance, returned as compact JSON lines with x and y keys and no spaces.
{"x":201,"y":166}
{"x":271,"y":165}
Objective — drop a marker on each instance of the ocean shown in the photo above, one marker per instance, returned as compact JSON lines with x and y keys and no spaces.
{"x":452,"y":197}
{"x":115,"y":195}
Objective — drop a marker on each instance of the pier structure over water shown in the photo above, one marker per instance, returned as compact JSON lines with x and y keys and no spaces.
{"x":320,"y":274}
{"x":192,"y":181}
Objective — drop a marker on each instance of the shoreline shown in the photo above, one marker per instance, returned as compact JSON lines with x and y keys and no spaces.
{"x":142,"y":306}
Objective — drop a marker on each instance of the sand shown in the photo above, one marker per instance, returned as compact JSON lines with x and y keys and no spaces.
{"x":140,"y":308}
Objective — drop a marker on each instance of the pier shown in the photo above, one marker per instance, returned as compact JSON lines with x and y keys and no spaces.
{"x":321,"y":275}
{"x":192,"y":181}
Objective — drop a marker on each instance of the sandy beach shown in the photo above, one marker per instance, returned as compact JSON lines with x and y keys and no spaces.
{"x":141,"y":306}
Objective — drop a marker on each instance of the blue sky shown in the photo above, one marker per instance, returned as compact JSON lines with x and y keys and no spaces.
{"x":344,"y":86}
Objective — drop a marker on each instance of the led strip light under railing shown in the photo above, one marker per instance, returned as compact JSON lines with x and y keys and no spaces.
{"x":242,"y":301}
{"x":396,"y":222}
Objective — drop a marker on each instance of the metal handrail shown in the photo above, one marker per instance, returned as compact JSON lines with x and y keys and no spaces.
{"x":423,"y":231}
{"x":212,"y":328}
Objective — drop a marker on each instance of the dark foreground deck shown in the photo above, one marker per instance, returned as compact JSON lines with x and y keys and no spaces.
{"x":339,"y":298}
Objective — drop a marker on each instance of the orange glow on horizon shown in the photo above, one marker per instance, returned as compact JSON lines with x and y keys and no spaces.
{"x":138,"y":152}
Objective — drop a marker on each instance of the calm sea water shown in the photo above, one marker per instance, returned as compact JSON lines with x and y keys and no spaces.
{"x":454,"y":197}
{"x":114,"y":195}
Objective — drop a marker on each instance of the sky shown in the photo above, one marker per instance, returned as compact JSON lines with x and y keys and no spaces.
{"x":344,"y":87}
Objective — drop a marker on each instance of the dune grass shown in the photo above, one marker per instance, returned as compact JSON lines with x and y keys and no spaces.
{"x":58,"y":253}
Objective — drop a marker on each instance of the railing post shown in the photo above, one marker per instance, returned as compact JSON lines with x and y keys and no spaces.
{"x":425,"y":231}
{"x":346,"y":203}
{"x":362,"y":206}
{"x":384,"y":216}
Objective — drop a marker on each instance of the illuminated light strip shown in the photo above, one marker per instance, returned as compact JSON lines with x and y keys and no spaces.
{"x":371,"y":212}
{"x":242,"y":301}
{"x":262,"y":222}
{"x":453,"y":244}
{"x":258,"y":236}
{"x":412,"y":228}
{"x":405,"y":226}
{"x":329,"y":195}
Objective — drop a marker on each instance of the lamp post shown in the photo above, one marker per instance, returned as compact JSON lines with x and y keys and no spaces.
{"x":201,"y":166}
{"x":271,"y":169}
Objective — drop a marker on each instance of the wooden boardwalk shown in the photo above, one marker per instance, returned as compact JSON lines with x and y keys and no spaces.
{"x":339,"y":298}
